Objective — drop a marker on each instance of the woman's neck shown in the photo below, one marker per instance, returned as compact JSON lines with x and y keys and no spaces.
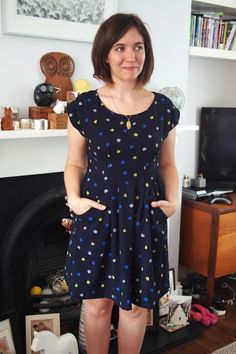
{"x":124,"y":91}
{"x":125,"y":99}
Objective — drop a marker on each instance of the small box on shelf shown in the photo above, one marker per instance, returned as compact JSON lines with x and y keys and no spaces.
{"x":39,"y":112}
{"x":57,"y":120}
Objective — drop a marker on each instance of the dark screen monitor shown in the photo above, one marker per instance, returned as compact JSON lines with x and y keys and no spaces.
{"x":217,"y":145}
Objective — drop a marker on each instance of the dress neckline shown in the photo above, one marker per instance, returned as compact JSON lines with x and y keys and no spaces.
{"x":123,"y":115}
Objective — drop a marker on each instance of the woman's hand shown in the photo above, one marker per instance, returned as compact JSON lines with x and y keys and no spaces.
{"x":168,"y":208}
{"x":81,"y":205}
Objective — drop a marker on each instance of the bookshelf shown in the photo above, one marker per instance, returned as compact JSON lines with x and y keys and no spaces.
{"x":228,"y":7}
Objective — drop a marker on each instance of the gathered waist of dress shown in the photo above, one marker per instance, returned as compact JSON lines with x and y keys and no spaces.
{"x":118,"y":171}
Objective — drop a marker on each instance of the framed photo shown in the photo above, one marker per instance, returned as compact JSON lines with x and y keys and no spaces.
{"x":152,"y":320}
{"x":172,"y":279}
{"x":164,"y":305}
{"x":178,"y":316}
{"x":76,"y":20}
{"x":9,"y":336}
{"x":44,"y":322}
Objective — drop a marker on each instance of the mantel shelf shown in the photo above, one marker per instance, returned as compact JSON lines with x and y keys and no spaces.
{"x":31,"y":133}
{"x":50,"y":133}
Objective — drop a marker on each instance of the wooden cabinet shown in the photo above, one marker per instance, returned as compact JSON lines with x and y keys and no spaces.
{"x":208,"y":240}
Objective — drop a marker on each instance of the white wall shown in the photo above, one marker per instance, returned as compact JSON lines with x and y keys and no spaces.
{"x":168,"y":23}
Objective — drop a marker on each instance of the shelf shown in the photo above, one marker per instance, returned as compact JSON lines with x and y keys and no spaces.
{"x":212,"y":53}
{"x":226,"y":6}
{"x":50,"y":133}
{"x":187,"y":128}
{"x":31,"y":133}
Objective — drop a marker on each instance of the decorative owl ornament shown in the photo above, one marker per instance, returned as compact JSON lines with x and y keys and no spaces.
{"x":58,"y":69}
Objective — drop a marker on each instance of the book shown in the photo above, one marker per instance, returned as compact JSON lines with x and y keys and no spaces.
{"x":222,"y":35}
{"x":230,"y":37}
{"x":233,"y":44}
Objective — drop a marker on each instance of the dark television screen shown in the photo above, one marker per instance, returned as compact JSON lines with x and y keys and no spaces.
{"x":217,"y":145}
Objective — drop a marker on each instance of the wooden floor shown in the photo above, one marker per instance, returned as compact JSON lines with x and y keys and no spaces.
{"x":214,"y":337}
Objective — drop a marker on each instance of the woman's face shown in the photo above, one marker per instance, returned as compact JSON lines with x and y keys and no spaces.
{"x":126,"y":57}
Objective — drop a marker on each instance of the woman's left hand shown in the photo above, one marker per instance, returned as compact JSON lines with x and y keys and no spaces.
{"x":168,"y":208}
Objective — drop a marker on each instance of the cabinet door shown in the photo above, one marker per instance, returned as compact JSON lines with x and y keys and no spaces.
{"x":195,"y":239}
{"x":226,"y":248}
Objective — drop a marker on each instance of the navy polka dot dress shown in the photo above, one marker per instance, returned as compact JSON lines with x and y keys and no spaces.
{"x":120,"y":253}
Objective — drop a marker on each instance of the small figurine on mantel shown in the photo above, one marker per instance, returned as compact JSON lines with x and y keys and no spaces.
{"x":48,"y":343}
{"x":60,"y":107}
{"x":6,"y":122}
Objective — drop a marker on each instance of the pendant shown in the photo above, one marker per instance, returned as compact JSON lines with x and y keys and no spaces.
{"x":128,"y":124}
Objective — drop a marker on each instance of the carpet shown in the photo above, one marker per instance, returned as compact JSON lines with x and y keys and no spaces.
{"x":228,"y":349}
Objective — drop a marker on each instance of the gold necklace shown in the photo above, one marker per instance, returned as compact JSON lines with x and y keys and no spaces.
{"x":128,"y":123}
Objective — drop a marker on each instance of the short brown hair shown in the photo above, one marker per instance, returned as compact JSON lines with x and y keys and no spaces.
{"x":109,"y":33}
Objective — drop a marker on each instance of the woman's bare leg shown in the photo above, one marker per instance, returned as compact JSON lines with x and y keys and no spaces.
{"x":97,"y":320}
{"x":131,"y":330}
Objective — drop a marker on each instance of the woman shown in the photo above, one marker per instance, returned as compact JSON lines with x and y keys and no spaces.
{"x":122,"y":184}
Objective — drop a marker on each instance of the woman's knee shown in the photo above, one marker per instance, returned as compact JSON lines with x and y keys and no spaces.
{"x":98,"y":307}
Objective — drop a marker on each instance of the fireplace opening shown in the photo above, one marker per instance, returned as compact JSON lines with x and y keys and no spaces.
{"x":32,"y":250}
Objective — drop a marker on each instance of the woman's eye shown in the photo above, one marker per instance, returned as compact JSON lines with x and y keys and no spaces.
{"x":119,"y":49}
{"x":139,"y":48}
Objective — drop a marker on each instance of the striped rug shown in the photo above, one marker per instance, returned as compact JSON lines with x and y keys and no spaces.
{"x":228,"y":349}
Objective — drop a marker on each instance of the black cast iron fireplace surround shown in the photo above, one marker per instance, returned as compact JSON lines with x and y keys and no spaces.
{"x":33,"y":242}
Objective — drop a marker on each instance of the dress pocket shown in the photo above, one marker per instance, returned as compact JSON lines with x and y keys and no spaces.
{"x":162,"y":217}
{"x":90,"y":215}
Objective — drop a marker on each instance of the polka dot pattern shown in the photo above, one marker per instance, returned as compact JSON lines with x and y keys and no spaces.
{"x":120,"y":253}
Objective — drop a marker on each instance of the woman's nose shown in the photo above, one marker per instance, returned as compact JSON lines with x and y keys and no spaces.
{"x":130,"y":54}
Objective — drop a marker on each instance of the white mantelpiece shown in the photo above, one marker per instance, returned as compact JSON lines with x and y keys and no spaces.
{"x":31,"y":133}
{"x":30,"y":152}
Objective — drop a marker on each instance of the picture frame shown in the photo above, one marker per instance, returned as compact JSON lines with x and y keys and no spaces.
{"x":179,"y":312}
{"x":154,"y":315}
{"x":46,"y":23}
{"x":152,"y":320}
{"x":10,"y":341}
{"x":172,"y":280}
{"x":49,"y":322}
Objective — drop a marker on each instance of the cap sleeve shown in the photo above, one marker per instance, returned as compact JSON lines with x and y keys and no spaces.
{"x":75,"y":111}
{"x":171,"y":117}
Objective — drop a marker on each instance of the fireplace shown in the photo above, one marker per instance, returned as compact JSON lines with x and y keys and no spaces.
{"x":33,"y":242}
